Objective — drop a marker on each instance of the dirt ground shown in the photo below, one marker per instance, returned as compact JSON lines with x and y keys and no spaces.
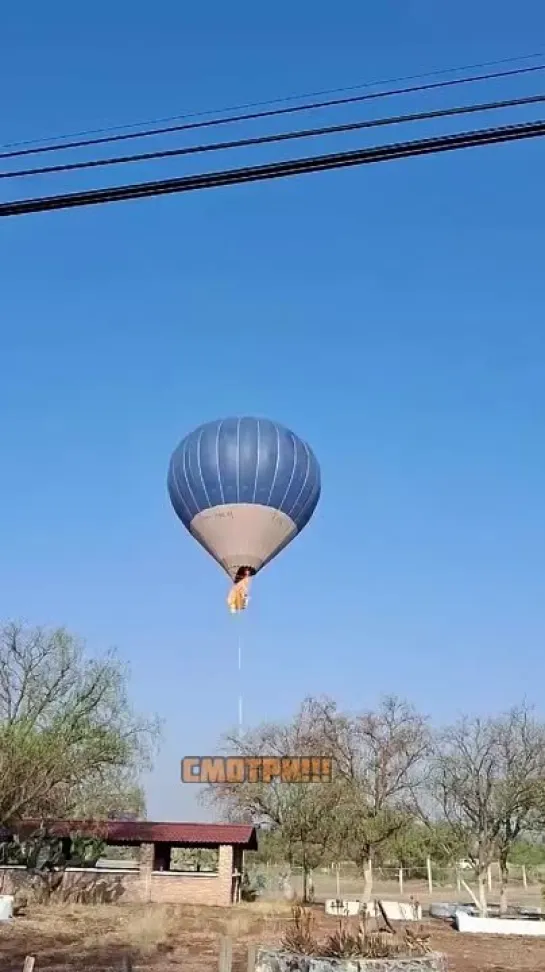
{"x":176,"y":938}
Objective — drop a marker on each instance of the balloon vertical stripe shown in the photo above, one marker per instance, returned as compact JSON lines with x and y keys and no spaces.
{"x":244,"y":487}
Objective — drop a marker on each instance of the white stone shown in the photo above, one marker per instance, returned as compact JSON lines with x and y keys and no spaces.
{"x":402,"y":911}
{"x":499,"y":926}
{"x":347,"y":908}
{"x":6,"y":907}
{"x":344,"y":908}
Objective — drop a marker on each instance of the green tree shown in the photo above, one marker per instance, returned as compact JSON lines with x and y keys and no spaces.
{"x":436,"y":840}
{"x":70,"y":741}
{"x":531,"y":853}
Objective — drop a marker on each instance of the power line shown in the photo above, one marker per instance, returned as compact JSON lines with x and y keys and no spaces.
{"x":280,"y":137}
{"x":229,"y":177}
{"x":231,"y":119}
{"x":274,"y":101}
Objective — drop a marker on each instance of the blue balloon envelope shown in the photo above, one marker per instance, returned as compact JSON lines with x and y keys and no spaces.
{"x":244,"y":488}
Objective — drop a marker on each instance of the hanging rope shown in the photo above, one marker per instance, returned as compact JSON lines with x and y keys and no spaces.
{"x":240,"y":684}
{"x":237,"y":601}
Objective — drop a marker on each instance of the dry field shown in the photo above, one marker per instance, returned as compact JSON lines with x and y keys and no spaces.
{"x":174,"y":938}
{"x":351,"y":886}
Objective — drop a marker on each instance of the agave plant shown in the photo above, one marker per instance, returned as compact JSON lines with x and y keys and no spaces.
{"x":344,"y":943}
{"x":299,"y":936}
{"x":341,"y":944}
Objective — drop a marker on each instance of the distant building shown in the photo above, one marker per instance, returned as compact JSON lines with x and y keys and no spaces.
{"x":154,"y":878}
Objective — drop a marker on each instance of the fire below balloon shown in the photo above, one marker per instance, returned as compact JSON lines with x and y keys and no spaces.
{"x":237,"y":599}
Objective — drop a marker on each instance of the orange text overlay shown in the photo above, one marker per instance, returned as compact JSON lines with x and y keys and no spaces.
{"x":256,"y":769}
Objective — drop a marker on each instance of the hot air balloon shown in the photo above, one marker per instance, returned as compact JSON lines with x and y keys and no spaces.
{"x":244,"y":488}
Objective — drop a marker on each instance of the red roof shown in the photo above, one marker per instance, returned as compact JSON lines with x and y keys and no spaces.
{"x":146,"y":832}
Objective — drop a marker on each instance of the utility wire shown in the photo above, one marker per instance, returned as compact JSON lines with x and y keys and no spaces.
{"x":229,"y":177}
{"x":231,"y":119}
{"x":280,"y":137}
{"x":275,"y":101}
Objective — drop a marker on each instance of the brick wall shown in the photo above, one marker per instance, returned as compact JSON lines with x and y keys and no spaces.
{"x":195,"y":888}
{"x":85,"y":885}
{"x":187,"y":889}
{"x":145,"y":885}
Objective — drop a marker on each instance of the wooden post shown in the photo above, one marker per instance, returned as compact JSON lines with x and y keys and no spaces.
{"x":226,"y":954}
{"x":489,"y":876}
{"x":338,"y":882}
{"x":458,"y":881}
{"x":29,"y":963}
{"x":147,"y":891}
{"x":251,"y":958}
{"x":524,"y":876}
{"x":401,"y":880}
{"x":475,"y":900}
{"x":385,"y":918}
{"x":127,"y":963}
{"x":430,"y":875}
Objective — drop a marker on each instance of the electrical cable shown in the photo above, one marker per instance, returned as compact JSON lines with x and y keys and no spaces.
{"x":229,"y":177}
{"x":274,"y":101}
{"x":279,"y":137}
{"x":231,"y":119}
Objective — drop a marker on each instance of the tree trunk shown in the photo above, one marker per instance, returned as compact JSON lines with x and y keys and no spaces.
{"x":481,"y":881}
{"x":368,"y":878}
{"x":504,"y":876}
{"x":305,"y":884}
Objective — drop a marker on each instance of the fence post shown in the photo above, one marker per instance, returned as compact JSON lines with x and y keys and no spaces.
{"x":458,"y":879}
{"x":430,"y":875}
{"x":29,"y":963}
{"x":251,"y":958}
{"x":489,"y":876}
{"x":338,"y":877}
{"x":524,"y":876}
{"x":401,"y":880}
{"x":226,"y":954}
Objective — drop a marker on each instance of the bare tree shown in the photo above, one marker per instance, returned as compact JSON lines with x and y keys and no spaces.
{"x":69,"y":739}
{"x":487,"y":776}
{"x":302,"y":815}
{"x":379,"y":758}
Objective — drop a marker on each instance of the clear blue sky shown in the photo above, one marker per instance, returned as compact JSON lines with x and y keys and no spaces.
{"x":393,"y":315}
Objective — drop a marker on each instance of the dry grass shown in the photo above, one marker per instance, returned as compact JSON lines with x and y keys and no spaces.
{"x":146,"y":933}
{"x":266,"y":907}
{"x":163,"y":938}
{"x":97,"y":936}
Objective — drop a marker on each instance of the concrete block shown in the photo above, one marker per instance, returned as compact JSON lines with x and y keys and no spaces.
{"x":402,"y":911}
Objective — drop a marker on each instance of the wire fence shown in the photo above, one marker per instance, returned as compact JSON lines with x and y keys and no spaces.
{"x":427,"y":882}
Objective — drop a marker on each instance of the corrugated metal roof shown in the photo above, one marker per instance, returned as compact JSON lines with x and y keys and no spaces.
{"x":145,"y":831}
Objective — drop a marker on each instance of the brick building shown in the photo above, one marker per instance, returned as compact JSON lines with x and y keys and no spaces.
{"x":154,"y":875}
